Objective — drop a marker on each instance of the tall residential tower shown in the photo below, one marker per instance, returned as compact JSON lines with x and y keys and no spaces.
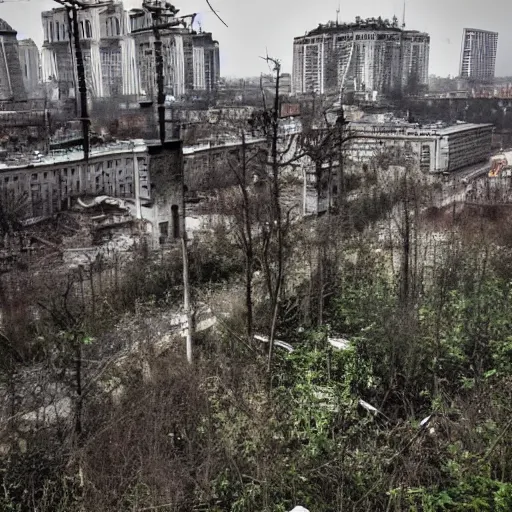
{"x":368,"y":55}
{"x":478,"y":55}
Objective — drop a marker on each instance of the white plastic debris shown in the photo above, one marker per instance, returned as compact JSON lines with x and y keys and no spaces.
{"x":277,"y":343}
{"x":339,"y":343}
{"x":424,"y":422}
{"x":368,"y":407}
{"x":299,"y":509}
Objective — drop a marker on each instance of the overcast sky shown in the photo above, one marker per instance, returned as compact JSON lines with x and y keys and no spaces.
{"x":257,"y":26}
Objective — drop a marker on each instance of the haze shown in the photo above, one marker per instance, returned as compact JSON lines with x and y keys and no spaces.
{"x":255,"y":27}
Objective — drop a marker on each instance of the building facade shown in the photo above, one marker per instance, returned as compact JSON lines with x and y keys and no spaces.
{"x":107,"y":48}
{"x":368,"y":55}
{"x":30,"y":63}
{"x":435,"y":149}
{"x":191,"y":59}
{"x":478,"y":54}
{"x":119,"y":56}
{"x":11,"y":77}
{"x":147,"y":178}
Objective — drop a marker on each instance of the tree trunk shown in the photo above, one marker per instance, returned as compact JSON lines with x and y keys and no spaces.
{"x":278,"y":221}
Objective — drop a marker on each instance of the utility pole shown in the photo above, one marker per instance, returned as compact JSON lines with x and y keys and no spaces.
{"x":163,"y":16}
{"x":184,"y":252}
{"x":73,"y":7}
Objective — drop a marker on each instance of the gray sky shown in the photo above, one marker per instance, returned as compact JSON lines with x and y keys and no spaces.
{"x":255,"y":26}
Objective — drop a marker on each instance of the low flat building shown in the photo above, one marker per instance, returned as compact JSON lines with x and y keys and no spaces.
{"x":147,"y":177}
{"x":436,"y":148}
{"x":47,"y":183}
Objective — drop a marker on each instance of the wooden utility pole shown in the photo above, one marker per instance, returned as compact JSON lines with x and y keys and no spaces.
{"x":82,"y":85}
{"x":73,"y":7}
{"x":163,"y":16}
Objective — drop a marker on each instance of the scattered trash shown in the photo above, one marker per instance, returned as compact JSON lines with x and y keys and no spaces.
{"x":277,"y":343}
{"x":299,"y":509}
{"x":368,"y":407}
{"x":339,"y":343}
{"x":425,"y":421}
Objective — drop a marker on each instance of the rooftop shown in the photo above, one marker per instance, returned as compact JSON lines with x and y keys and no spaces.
{"x":74,"y":154}
{"x":5,"y":27}
{"x":360,"y":24}
{"x":402,"y":128}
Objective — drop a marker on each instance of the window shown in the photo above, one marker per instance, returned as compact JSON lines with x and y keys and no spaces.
{"x":164,"y":229}
{"x":113,"y":27}
{"x":34,"y":177}
{"x":88,"y":29}
{"x":57,"y":31}
{"x":82,"y":32}
{"x":175,"y":221}
{"x":109,"y":164}
{"x":51,"y":31}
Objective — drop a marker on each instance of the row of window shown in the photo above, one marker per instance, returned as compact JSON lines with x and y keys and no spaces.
{"x":58,"y":31}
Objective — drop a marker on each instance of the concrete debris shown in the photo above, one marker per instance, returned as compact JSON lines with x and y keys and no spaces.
{"x":51,"y":413}
{"x":107,"y":200}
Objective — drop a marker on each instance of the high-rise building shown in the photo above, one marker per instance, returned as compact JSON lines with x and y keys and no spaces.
{"x":107,"y":48}
{"x":190,"y":59}
{"x":368,"y":55}
{"x":11,"y":78}
{"x":30,"y":62}
{"x":118,"y":53}
{"x":478,"y":55}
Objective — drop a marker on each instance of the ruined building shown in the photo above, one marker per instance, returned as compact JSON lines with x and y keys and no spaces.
{"x":108,"y":51}
{"x":478,"y":56}
{"x":30,"y":62}
{"x":365,"y":56}
{"x":191,"y":59}
{"x":11,"y":78}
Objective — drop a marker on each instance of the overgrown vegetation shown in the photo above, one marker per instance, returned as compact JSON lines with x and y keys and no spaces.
{"x":410,"y":411}
{"x":215,"y":439}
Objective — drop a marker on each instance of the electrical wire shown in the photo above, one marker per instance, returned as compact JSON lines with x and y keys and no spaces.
{"x":215,"y":12}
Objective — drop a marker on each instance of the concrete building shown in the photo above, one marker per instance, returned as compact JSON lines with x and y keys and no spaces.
{"x":30,"y":64}
{"x":436,"y":149}
{"x":148,"y":178}
{"x":478,"y":54}
{"x":107,"y":47}
{"x":50,"y":182}
{"x":191,"y":59}
{"x":368,"y":55}
{"x":11,"y":77}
